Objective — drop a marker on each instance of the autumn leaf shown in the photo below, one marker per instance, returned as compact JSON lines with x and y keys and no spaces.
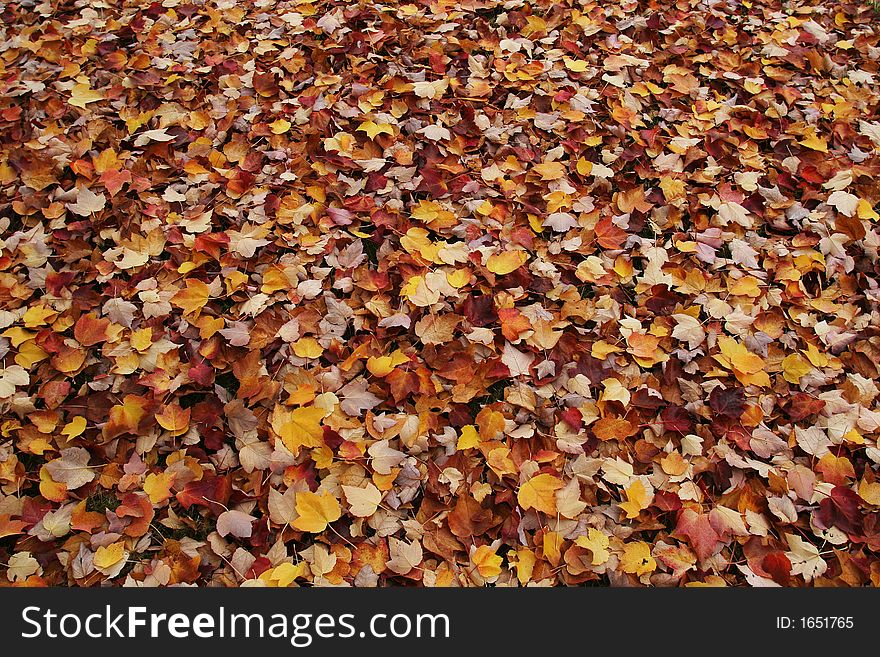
{"x":315,"y":512}
{"x":469,"y":437}
{"x":174,"y":419}
{"x":637,"y":499}
{"x":506,"y":261}
{"x":488,"y":563}
{"x":362,"y":502}
{"x":158,"y":486}
{"x":539,"y":493}
{"x":192,"y":298}
{"x":637,"y":559}
{"x":597,"y":543}
{"x":82,"y":95}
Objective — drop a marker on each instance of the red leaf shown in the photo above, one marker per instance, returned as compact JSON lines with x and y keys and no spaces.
{"x":729,"y":402}
{"x":695,"y":527}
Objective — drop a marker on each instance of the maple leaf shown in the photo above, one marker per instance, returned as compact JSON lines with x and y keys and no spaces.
{"x":282,"y":506}
{"x":539,"y":493}
{"x":174,"y":419}
{"x":11,"y":377}
{"x":158,"y":486}
{"x":404,"y":556}
{"x":125,"y":417}
{"x":364,"y":501}
{"x":488,"y":563}
{"x":597,"y":543}
{"x":192,"y":298}
{"x":299,"y":427}
{"x":729,"y":402}
{"x":637,"y":559}
{"x":517,"y":362}
{"x":72,"y":469}
{"x":506,"y":261}
{"x":82,"y":95}
{"x":698,"y":530}
{"x":804,"y":558}
{"x":87,"y":202}
{"x":108,"y":556}
{"x":20,"y":566}
{"x":637,"y":499}
{"x":315,"y":512}
{"x":235,"y":522}
{"x":355,"y":398}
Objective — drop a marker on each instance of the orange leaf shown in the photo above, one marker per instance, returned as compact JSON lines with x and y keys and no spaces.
{"x":175,"y":419}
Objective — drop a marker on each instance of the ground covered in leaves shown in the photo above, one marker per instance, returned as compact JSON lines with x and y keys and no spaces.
{"x":439,"y":293}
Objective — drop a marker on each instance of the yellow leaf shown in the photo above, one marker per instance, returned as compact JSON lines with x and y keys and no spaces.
{"x":106,"y":557}
{"x":740,"y":358}
{"x":38,"y":315}
{"x":506,"y":261}
{"x":672,"y":188}
{"x":125,"y":417}
{"x":459,"y":277}
{"x":280,"y":126}
{"x":870,"y":492}
{"x":283,"y":574}
{"x":75,"y":427}
{"x":208,"y":326}
{"x":760,"y":379}
{"x":315,"y":511}
{"x":865,"y":211}
{"x":51,"y":489}
{"x":487,"y":562}
{"x":525,"y":565}
{"x":106,"y":160}
{"x":469,"y":437}
{"x":534,"y":24}
{"x":175,"y":419}
{"x":584,"y":166}
{"x":746,"y":286}
{"x":373,"y":129}
{"x":623,"y":267}
{"x":380,"y":365}
{"x":192,"y":298}
{"x":637,"y":500}
{"x":815,"y":356}
{"x":82,"y":95}
{"x":552,"y":546}
{"x":615,"y":391}
{"x":597,"y":543}
{"x":18,"y":335}
{"x":383,"y":365}
{"x":141,"y":339}
{"x":674,"y":464}
{"x":29,"y":353}
{"x":303,"y":395}
{"x":158,"y":486}
{"x":300,"y":427}
{"x":637,"y":559}
{"x":549,"y":170}
{"x":601,"y":349}
{"x":307,"y":348}
{"x":575,"y":65}
{"x":539,"y":493}
{"x":794,"y":367}
{"x":812,"y":141}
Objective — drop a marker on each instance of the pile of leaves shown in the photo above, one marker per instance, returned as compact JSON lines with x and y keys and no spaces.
{"x":439,"y":293}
